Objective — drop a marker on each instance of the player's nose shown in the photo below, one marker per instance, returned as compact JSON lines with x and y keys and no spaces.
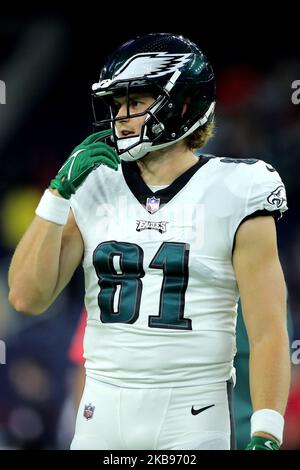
{"x":123,"y":112}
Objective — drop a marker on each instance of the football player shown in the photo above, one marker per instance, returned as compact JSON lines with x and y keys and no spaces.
{"x":168,"y":243}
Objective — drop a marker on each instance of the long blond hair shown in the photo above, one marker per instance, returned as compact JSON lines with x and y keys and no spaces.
{"x":201,"y":136}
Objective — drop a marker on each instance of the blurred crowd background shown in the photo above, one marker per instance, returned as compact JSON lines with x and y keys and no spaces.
{"x":48,"y":63}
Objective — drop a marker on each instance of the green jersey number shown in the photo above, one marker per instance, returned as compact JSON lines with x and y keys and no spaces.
{"x":119,"y":267}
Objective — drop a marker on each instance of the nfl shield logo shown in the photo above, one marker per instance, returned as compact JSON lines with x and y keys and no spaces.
{"x":152,"y":204}
{"x":88,"y":411}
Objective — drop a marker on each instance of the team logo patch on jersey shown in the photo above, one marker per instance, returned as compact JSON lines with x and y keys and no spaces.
{"x":161,"y":227}
{"x":277,"y":197}
{"x":88,"y":411}
{"x":152,"y":204}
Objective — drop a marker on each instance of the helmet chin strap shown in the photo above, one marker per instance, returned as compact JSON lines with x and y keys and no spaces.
{"x":122,"y":144}
{"x":135,"y":153}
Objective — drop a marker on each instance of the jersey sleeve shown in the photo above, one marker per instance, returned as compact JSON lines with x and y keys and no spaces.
{"x":257,"y":190}
{"x":267,"y":192}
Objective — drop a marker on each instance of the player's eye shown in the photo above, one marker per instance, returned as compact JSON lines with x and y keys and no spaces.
{"x":135,"y":103}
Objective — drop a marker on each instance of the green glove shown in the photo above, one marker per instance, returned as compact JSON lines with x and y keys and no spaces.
{"x":262,"y":443}
{"x":85,"y":157}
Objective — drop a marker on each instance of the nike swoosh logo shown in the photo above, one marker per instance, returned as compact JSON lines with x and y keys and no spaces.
{"x":269,"y":445}
{"x":196,"y":412}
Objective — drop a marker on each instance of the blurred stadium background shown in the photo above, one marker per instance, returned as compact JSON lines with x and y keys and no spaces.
{"x":48,"y":62}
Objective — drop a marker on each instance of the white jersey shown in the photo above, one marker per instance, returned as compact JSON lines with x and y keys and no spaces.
{"x":161,"y":292}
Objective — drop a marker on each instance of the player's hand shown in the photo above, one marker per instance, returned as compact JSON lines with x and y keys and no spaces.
{"x":262,"y":443}
{"x":85,"y":157}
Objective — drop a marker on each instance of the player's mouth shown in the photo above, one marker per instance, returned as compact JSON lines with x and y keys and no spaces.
{"x":126,"y":133}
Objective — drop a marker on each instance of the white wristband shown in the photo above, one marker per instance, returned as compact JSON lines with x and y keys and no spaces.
{"x":269,"y":421}
{"x":53,"y":208}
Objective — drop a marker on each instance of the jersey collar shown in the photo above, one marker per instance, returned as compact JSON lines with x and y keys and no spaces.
{"x":142,"y":192}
